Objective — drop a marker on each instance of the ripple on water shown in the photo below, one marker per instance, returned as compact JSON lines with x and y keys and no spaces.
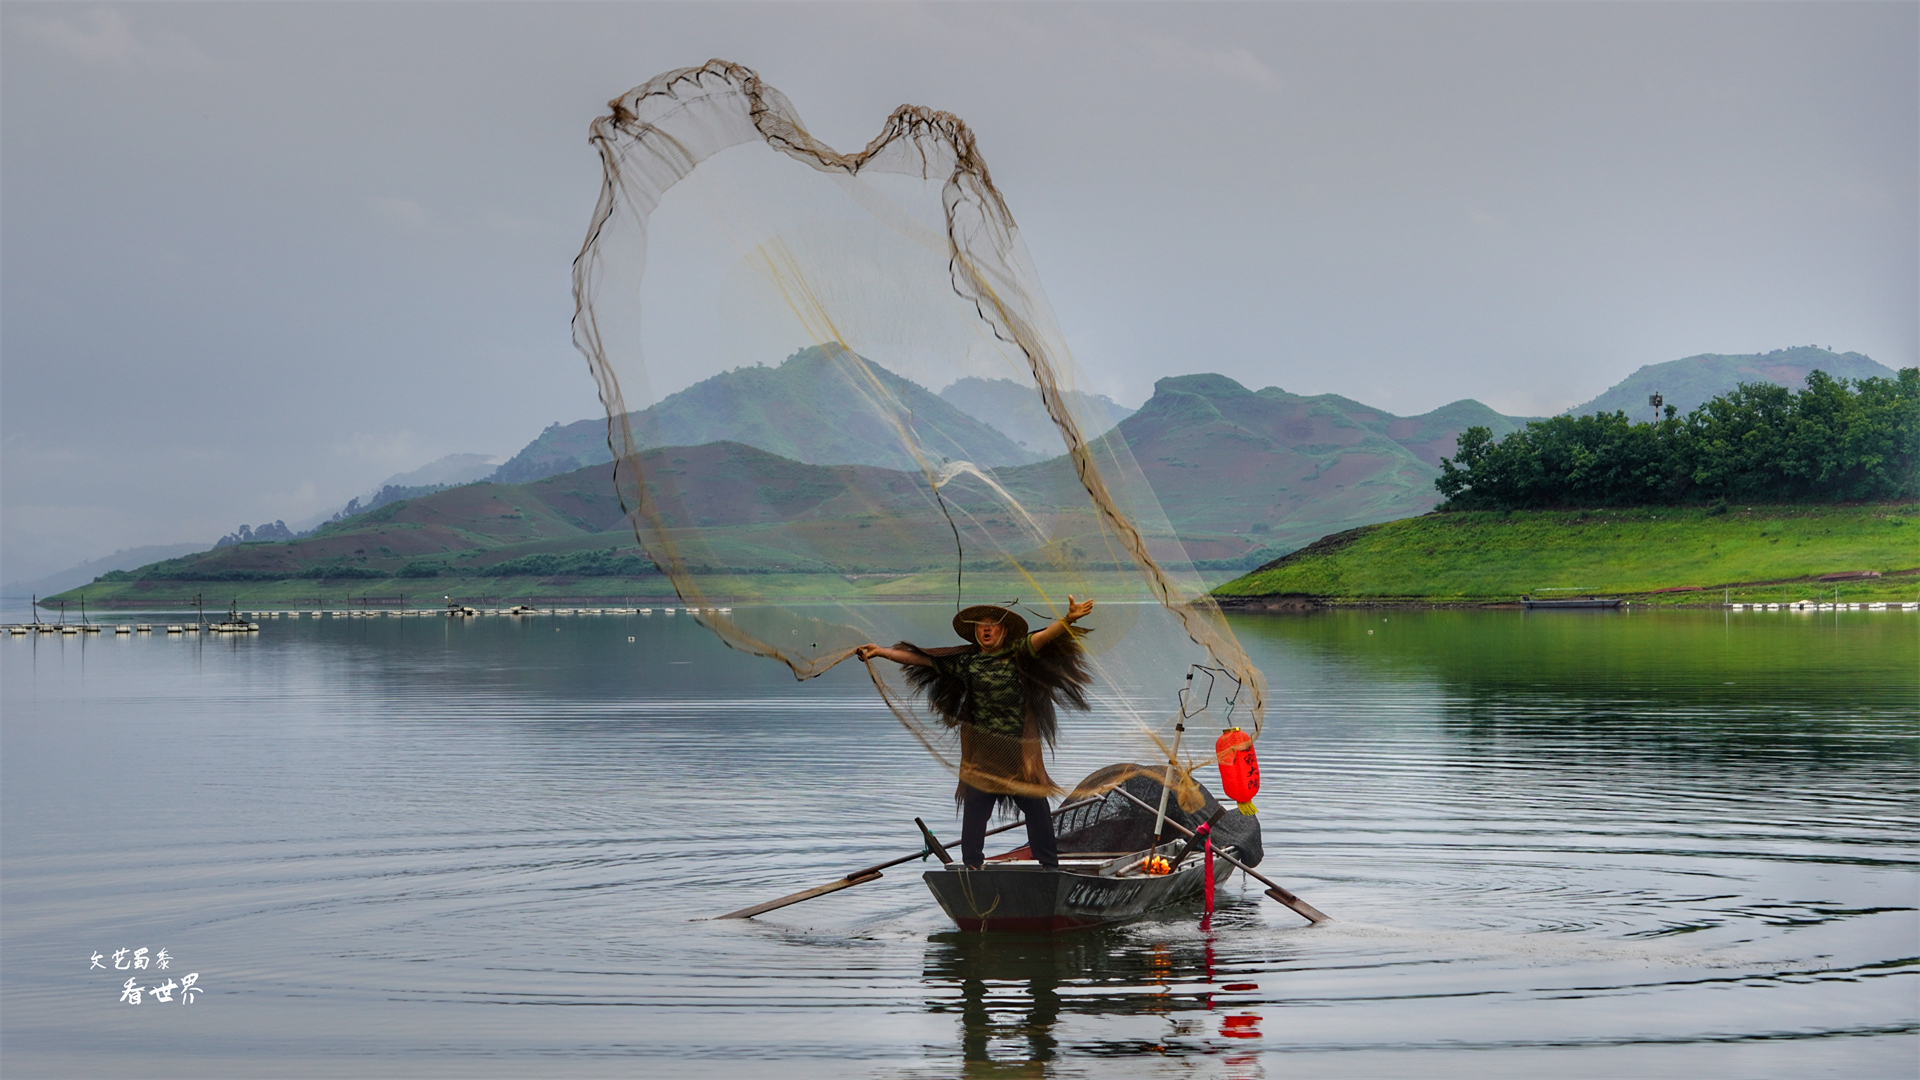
{"x":363,"y":829}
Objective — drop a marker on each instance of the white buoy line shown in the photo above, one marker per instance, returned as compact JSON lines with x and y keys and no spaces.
{"x":245,"y":621}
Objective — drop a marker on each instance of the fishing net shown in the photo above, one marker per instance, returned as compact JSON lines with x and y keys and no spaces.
{"x":800,"y":309}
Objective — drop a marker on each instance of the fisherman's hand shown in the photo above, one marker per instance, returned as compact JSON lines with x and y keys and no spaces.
{"x":865,"y":652}
{"x":1078,"y":609}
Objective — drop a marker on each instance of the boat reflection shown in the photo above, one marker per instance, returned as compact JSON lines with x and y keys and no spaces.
{"x":1119,"y":993}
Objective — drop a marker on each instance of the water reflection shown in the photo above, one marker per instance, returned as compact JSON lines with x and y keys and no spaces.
{"x":1015,"y":997}
{"x":1007,"y":993}
{"x":1853,"y":662}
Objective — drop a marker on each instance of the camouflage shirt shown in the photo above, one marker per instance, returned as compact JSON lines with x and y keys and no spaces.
{"x":996,"y":698}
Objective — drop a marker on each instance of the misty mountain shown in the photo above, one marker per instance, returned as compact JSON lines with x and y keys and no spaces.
{"x":76,"y":576}
{"x":805,"y":410}
{"x":1015,"y":410}
{"x":445,"y":472}
{"x":449,"y":471}
{"x":1687,"y":384}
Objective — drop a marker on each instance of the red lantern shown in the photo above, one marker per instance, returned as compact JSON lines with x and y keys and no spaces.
{"x":1239,"y":769}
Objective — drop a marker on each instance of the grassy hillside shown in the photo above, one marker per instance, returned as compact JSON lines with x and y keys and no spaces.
{"x":1762,"y":554}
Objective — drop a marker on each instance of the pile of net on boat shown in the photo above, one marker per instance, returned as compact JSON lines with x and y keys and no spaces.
{"x":1117,"y":823}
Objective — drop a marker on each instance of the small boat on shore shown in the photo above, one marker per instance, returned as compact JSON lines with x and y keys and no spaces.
{"x":1569,"y":602}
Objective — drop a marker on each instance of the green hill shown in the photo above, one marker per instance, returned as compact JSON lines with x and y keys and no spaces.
{"x":804,"y":410}
{"x":1760,"y":553}
{"x":1687,"y":384}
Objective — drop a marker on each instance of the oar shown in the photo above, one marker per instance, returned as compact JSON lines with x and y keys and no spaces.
{"x":1274,"y":889}
{"x":862,"y":876}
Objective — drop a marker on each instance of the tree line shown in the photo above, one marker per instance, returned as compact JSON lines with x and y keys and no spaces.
{"x":1836,"y":440}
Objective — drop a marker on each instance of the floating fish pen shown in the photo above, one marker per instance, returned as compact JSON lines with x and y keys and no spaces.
{"x":123,"y":628}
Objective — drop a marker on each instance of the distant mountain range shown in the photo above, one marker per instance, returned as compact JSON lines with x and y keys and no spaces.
{"x":1243,"y":475}
{"x":1239,"y":472}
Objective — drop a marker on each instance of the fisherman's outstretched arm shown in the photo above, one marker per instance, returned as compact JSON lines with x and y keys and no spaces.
{"x":1076,"y":610}
{"x":898,"y":656}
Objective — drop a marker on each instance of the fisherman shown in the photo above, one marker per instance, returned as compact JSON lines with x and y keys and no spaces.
{"x":1001,"y":691}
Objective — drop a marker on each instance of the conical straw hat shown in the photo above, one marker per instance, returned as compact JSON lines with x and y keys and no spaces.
{"x":963,"y":623}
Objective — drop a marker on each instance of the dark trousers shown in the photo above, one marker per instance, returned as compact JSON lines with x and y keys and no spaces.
{"x":978,"y":807}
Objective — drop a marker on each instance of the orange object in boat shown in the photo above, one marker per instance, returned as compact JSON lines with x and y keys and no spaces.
{"x":1239,"y":769}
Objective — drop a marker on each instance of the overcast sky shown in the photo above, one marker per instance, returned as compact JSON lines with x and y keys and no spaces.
{"x":254,"y":258}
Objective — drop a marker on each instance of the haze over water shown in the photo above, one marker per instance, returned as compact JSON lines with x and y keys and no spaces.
{"x":1571,"y":844}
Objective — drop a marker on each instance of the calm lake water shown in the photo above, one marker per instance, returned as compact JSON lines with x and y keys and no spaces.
{"x":1567,"y":844}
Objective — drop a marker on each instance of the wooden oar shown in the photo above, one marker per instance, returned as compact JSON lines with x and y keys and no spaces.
{"x":1274,"y":889}
{"x":862,"y":876}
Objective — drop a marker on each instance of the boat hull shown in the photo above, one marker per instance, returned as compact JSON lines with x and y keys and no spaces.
{"x":1034,"y":899}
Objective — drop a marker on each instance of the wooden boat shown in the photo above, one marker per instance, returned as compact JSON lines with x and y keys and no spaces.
{"x":1023,"y":896}
{"x":1104,"y":844}
{"x":1570,"y":602}
{"x":1106,"y":832}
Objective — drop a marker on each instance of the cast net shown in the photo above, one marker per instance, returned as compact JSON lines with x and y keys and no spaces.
{"x":770,"y":322}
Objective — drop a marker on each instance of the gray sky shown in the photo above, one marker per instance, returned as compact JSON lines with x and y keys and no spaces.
{"x":256,"y":257}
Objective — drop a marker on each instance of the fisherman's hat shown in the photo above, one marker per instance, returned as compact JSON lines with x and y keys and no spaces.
{"x":963,"y":623}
